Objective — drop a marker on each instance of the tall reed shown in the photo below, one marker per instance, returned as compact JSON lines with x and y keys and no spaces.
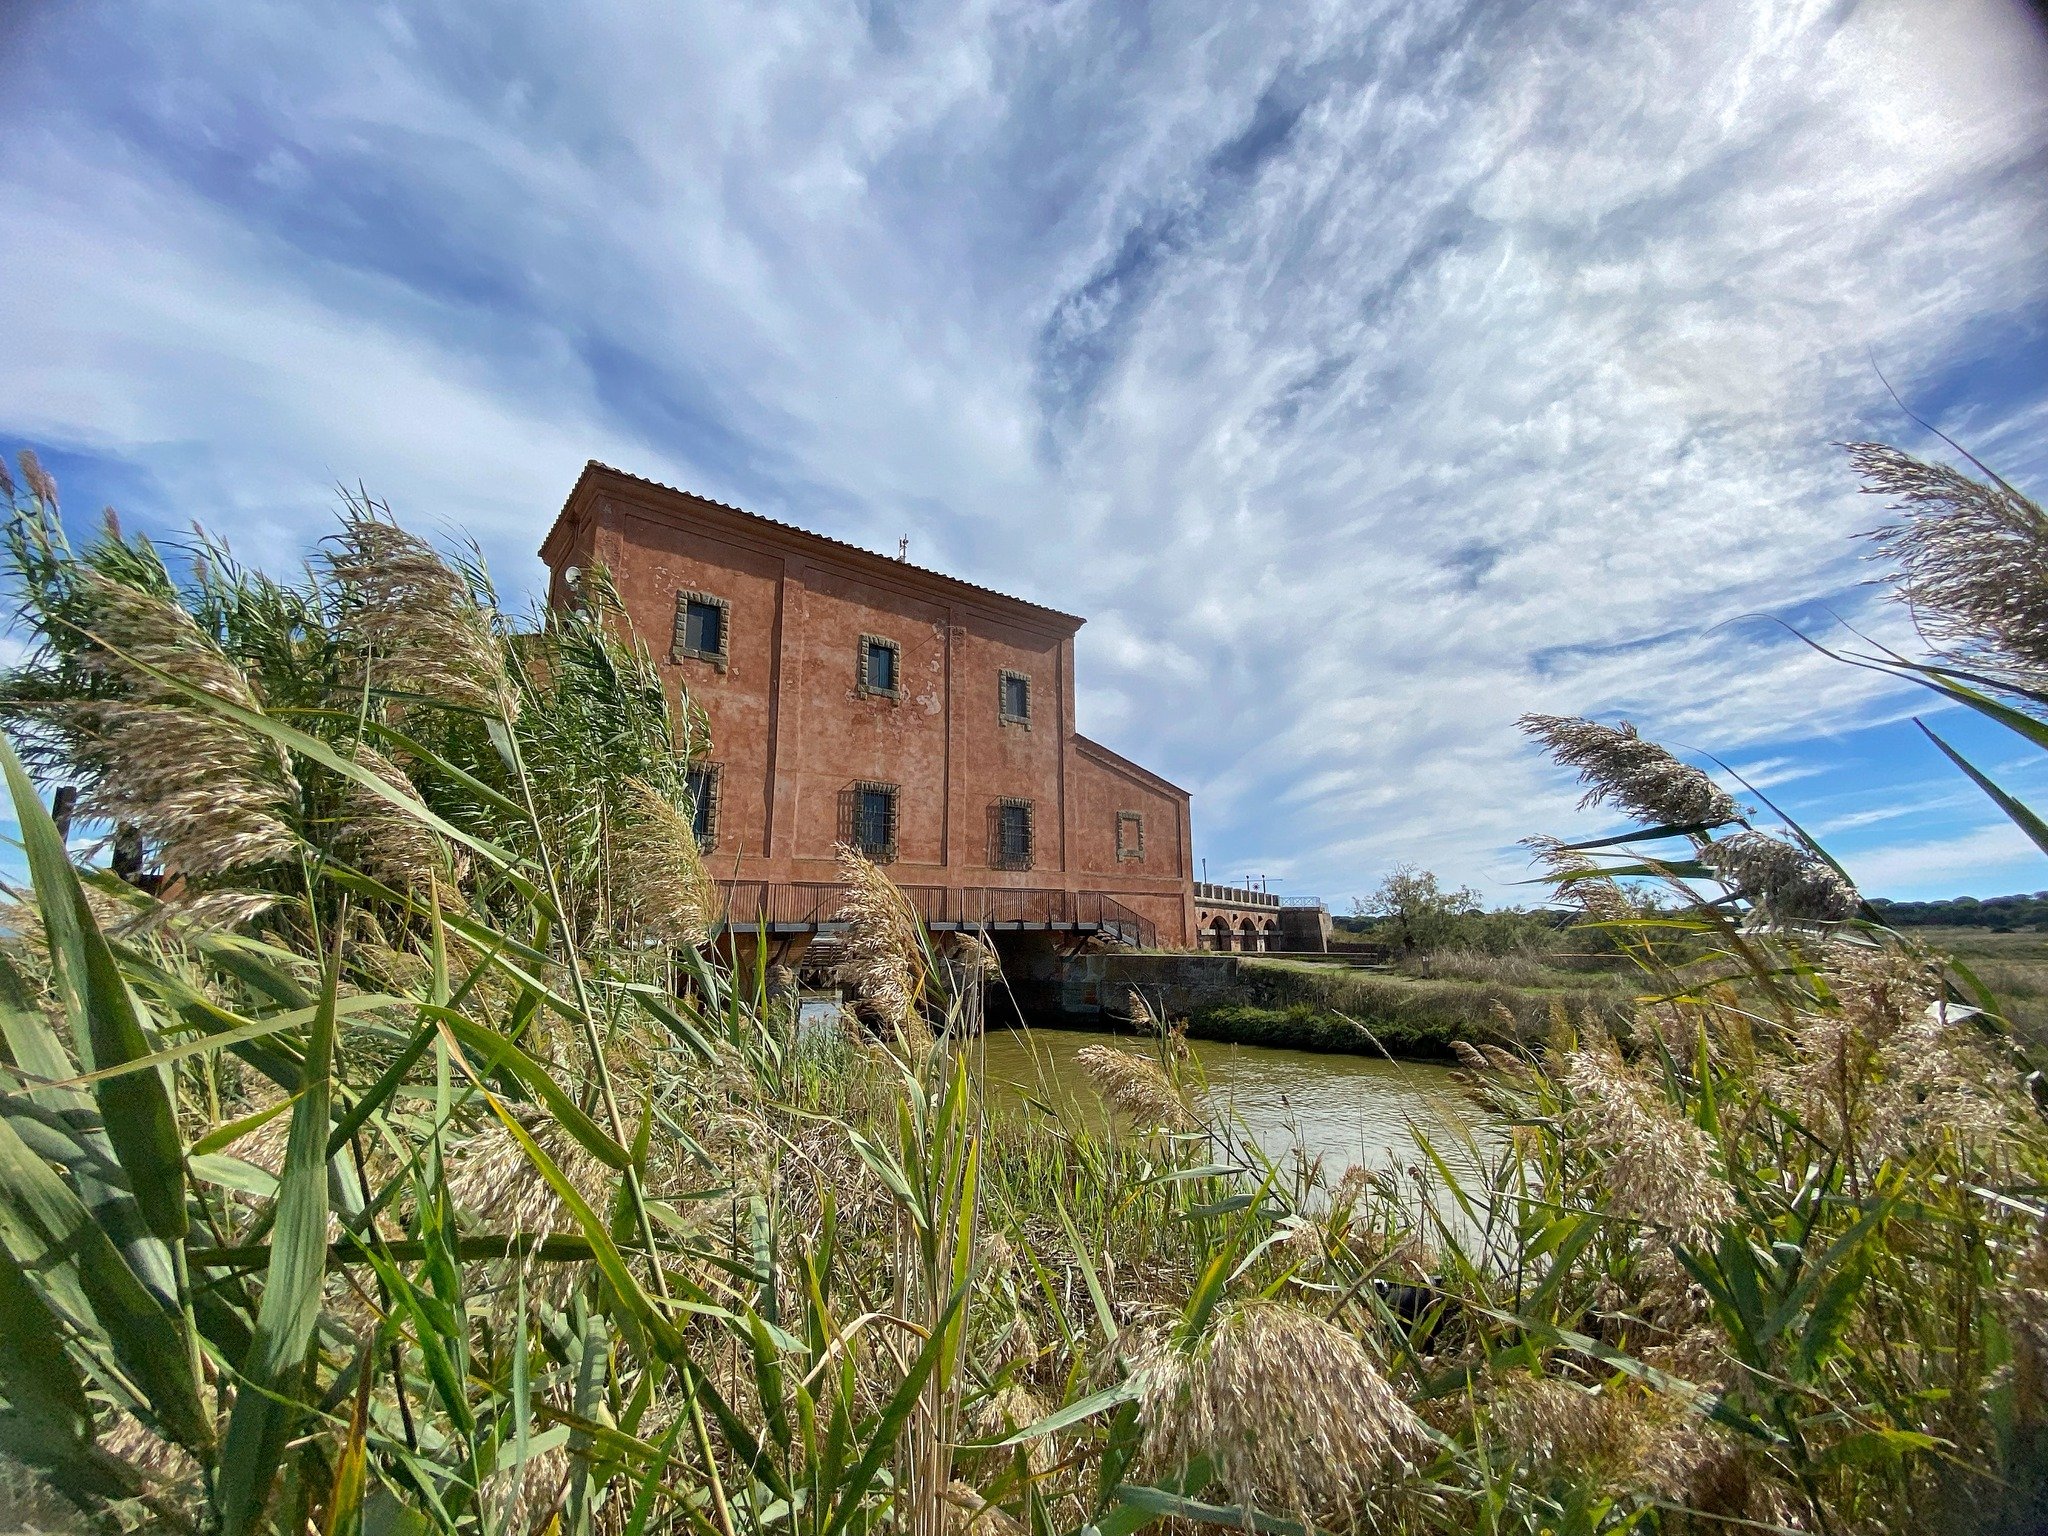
{"x":470,"y":1178}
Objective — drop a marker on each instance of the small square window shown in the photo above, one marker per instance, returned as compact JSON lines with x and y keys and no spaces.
{"x":1130,"y":836}
{"x":881,"y":662}
{"x":874,"y":820}
{"x":701,"y":625}
{"x":1013,"y":700}
{"x":701,"y":780}
{"x":1012,"y":834}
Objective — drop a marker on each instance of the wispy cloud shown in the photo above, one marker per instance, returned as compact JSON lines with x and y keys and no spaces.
{"x":1999,"y":853}
{"x":1371,"y":374}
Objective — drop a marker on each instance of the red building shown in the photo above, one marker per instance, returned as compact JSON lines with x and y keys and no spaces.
{"x":856,"y":698}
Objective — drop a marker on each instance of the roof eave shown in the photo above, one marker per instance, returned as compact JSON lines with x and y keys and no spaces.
{"x":595,"y":470}
{"x":1116,"y":759}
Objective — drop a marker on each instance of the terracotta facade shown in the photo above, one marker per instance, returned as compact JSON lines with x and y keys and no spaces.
{"x":796,"y":727}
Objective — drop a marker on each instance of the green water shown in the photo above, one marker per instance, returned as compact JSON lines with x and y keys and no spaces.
{"x":1343,"y":1109}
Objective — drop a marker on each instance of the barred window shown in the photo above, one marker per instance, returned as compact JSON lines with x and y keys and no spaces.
{"x":873,"y":817}
{"x":1013,"y":698}
{"x":1130,"y":836}
{"x":1011,"y":835}
{"x":701,"y":626}
{"x":701,"y":780}
{"x":881,"y":663}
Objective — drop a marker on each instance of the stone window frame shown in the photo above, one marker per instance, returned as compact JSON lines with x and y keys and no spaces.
{"x":998,"y":856}
{"x":719,"y":658}
{"x":1130,"y":855}
{"x":862,"y":686}
{"x":714,"y":775}
{"x":1003,"y":715}
{"x":886,"y":854}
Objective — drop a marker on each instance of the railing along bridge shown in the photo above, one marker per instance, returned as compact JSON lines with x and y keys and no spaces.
{"x":813,"y":906}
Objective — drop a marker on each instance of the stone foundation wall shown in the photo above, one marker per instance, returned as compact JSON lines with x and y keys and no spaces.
{"x":1176,"y":985}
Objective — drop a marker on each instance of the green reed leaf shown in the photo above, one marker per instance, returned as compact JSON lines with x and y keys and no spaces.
{"x":267,"y":1404}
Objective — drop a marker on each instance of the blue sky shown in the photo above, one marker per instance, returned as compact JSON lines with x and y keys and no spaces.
{"x":1369,"y":374}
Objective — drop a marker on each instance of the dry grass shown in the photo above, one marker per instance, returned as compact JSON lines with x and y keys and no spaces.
{"x":659,"y":876}
{"x":1970,"y":558}
{"x":1138,"y":1086}
{"x":1659,"y":1168}
{"x":1291,"y":1412}
{"x":212,"y":796}
{"x":1617,"y":765}
{"x":418,"y":625}
{"x":882,"y":949}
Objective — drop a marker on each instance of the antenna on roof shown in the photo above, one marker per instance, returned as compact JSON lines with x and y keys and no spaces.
{"x":903,"y":548}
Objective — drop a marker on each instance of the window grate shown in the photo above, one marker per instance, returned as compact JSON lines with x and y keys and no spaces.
{"x":701,"y":780}
{"x":867,"y":818}
{"x":1010,"y":834}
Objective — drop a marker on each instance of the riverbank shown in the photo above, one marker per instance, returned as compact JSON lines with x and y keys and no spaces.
{"x":1317,"y":1006}
{"x":2013,"y":965}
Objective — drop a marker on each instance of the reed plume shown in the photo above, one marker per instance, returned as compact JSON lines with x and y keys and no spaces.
{"x":1969,"y":559}
{"x":380,"y":838}
{"x":658,"y":871}
{"x":1659,"y":1168}
{"x":969,"y":1514}
{"x":1291,"y":1412}
{"x":1836,"y":1057}
{"x":211,"y":794}
{"x":523,"y":1498}
{"x":882,"y":950}
{"x":1639,"y":776}
{"x":419,"y":626}
{"x":40,"y":485}
{"x":1138,"y":1086}
{"x":1784,"y":885}
{"x":1687,"y":1460}
{"x":1550,"y":1422}
{"x":493,"y":1180}
{"x":1504,"y":1061}
{"x":1937,"y":1078}
{"x":972,"y":960}
{"x":2024,"y":1310}
{"x":1582,"y":882}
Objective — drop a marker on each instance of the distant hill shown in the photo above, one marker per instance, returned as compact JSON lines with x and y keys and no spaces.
{"x":2000,"y":912}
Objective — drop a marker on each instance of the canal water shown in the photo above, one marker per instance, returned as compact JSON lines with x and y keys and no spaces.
{"x":1343,"y":1109}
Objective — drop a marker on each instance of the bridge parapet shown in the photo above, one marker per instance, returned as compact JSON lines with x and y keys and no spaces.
{"x":1210,"y":894}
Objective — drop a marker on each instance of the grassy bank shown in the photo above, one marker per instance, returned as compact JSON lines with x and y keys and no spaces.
{"x":2013,"y":965}
{"x":1311,"y":1007}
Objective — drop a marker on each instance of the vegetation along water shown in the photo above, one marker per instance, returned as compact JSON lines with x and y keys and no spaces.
{"x":411,"y":1157}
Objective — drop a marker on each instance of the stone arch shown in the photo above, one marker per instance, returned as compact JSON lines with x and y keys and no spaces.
{"x":1218,"y":934}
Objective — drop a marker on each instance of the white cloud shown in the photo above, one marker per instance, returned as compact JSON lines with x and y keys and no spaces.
{"x":1996,"y":857}
{"x":1370,"y":374}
